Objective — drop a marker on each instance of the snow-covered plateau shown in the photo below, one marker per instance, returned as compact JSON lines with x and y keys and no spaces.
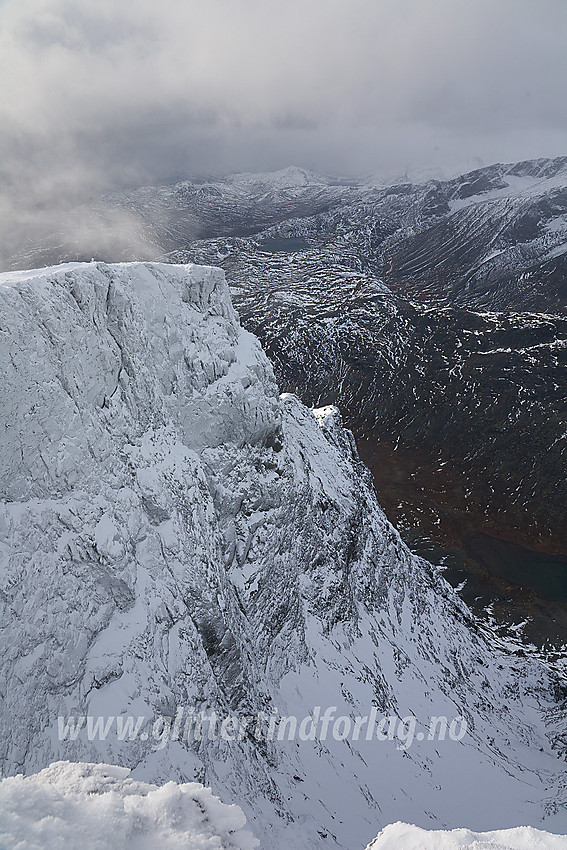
{"x":177,"y":537}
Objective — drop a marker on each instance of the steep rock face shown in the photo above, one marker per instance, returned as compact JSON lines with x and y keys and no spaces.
{"x":175,"y":535}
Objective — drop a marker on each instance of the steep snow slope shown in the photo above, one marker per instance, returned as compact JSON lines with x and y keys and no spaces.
{"x":175,"y":535}
{"x":98,"y":807}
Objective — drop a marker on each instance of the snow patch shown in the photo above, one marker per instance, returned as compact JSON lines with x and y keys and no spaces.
{"x":401,"y":836}
{"x":98,"y":807}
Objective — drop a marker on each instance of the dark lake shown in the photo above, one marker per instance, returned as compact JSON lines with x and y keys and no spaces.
{"x":517,"y":583}
{"x":545,"y":574}
{"x":280,"y":244}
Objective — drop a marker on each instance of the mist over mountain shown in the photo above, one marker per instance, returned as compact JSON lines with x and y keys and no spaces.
{"x":99,"y":96}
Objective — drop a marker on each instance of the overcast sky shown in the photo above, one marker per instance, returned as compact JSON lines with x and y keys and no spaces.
{"x":101,"y":93}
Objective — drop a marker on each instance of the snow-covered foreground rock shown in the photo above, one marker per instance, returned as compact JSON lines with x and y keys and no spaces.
{"x":98,"y":807}
{"x":177,"y":539}
{"x":401,"y":836}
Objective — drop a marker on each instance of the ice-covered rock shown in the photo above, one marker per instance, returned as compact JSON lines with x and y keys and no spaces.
{"x":176,"y":538}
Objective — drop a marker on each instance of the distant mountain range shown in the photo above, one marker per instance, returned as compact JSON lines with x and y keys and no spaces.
{"x":433,"y":313}
{"x":495,"y":238}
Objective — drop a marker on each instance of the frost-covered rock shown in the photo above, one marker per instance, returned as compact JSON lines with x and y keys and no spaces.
{"x":99,"y":807}
{"x":401,"y":836}
{"x":175,"y":536}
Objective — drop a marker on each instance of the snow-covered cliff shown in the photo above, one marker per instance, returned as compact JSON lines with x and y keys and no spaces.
{"x":175,"y":537}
